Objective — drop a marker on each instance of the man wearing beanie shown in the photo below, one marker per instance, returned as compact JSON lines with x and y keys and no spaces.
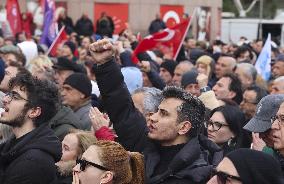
{"x":189,"y":82}
{"x":167,"y":69}
{"x":76,"y":94}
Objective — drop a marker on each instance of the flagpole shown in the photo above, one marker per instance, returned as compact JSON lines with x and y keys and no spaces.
{"x":193,"y":15}
{"x":55,"y":40}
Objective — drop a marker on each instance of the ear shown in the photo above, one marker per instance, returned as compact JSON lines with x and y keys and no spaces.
{"x":184,"y":127}
{"x":106,"y":177}
{"x":34,"y":112}
{"x":232,"y":94}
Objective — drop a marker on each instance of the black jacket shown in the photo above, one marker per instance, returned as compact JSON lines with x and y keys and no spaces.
{"x":190,"y":165}
{"x":84,"y":26}
{"x":30,"y":159}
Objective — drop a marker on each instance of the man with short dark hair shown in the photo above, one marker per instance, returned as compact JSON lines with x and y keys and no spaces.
{"x":30,"y":155}
{"x":278,"y":67}
{"x":173,"y":150}
{"x":229,"y":87}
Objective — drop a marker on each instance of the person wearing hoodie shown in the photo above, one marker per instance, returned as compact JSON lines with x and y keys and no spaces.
{"x":29,"y":157}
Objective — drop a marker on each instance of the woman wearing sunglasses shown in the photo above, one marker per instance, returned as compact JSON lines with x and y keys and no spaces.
{"x":245,"y":166}
{"x":225,"y":128}
{"x":108,"y":162}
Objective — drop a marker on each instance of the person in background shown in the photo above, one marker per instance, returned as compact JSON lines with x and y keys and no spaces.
{"x":225,"y":128}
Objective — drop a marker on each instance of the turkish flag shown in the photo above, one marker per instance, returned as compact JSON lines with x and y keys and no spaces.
{"x":14,"y":16}
{"x":168,"y":41}
{"x":59,"y":40}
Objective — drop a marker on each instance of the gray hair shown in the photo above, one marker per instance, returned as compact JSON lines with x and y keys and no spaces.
{"x":152,"y":98}
{"x":248,"y":69}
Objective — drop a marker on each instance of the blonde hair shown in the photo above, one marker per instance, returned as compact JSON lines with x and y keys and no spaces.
{"x":128,"y":167}
{"x":40,"y":63}
{"x":85,"y":140}
{"x":206,"y":60}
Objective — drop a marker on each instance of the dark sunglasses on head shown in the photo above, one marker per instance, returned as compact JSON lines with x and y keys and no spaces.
{"x":84,"y":163}
{"x":222,"y":177}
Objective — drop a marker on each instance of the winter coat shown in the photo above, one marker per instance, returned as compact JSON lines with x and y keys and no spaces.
{"x":82,"y":114}
{"x":190,"y":165}
{"x":31,"y":158}
{"x":63,"y":121}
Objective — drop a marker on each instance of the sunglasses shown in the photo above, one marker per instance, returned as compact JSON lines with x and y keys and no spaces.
{"x":84,"y":163}
{"x":222,"y":177}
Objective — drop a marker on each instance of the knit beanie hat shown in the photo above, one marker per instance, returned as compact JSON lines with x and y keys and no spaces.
{"x":256,"y":167}
{"x":71,"y":45}
{"x":80,"y":82}
{"x":189,"y":78}
{"x":170,"y":66}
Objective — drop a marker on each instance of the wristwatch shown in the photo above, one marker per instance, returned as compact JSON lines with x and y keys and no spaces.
{"x":205,"y":89}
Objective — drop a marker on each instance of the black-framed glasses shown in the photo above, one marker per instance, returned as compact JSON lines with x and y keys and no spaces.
{"x":84,"y":163}
{"x":222,"y":177}
{"x":215,"y":124}
{"x":279,"y":118}
{"x":12,"y":95}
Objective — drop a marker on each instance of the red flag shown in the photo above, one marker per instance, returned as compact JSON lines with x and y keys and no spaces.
{"x":60,"y":39}
{"x":168,"y":41}
{"x":14,"y":16}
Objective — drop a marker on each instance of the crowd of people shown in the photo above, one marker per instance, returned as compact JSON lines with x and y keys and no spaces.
{"x":90,"y":115}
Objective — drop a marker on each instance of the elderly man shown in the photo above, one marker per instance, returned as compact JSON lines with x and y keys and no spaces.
{"x":225,"y":64}
{"x":180,"y":69}
{"x":278,"y":67}
{"x":247,"y":74}
{"x":277,"y":86}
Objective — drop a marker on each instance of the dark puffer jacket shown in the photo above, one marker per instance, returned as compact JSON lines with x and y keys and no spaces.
{"x":31,"y":158}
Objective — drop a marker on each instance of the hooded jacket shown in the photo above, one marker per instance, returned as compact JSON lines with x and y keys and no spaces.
{"x":31,"y":158}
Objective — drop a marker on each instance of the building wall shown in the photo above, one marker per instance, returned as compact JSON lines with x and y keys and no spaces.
{"x":142,"y":12}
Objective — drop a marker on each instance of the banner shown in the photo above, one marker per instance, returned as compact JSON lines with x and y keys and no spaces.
{"x":171,"y":14}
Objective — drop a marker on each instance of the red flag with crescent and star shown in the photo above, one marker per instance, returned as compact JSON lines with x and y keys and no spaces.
{"x":167,"y":41}
{"x":14,"y":16}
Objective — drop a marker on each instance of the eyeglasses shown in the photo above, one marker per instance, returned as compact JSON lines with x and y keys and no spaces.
{"x":222,"y":177}
{"x":84,"y":163}
{"x":12,"y":95}
{"x":279,"y":118}
{"x":215,"y":124}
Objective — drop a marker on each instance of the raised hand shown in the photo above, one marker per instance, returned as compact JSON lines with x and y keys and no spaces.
{"x":98,"y":119}
{"x":102,"y":51}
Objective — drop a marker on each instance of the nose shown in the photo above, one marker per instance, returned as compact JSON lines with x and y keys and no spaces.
{"x":275,"y":125}
{"x":6,"y":99}
{"x":76,"y":168}
{"x":213,"y":180}
{"x":153,"y":117}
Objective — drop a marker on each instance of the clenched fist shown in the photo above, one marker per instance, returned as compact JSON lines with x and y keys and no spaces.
{"x":101,"y":51}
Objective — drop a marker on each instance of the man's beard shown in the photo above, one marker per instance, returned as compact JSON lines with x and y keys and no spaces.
{"x":18,"y":121}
